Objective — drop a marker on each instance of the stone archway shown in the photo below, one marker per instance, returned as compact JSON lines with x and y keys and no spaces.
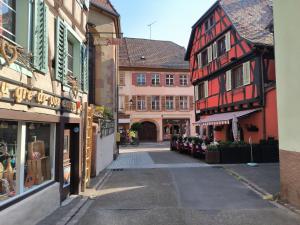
{"x":148,"y":131}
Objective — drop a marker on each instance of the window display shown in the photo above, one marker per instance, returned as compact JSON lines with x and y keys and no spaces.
{"x":37,"y":154}
{"x":26,"y":152}
{"x":8,"y":148}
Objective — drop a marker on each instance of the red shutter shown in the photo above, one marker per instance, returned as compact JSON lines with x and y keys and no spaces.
{"x":148,"y":79}
{"x":163,"y":103}
{"x":126,"y":103}
{"x":148,"y":103}
{"x":177,"y":106}
{"x":134,"y":76}
{"x":133,"y":103}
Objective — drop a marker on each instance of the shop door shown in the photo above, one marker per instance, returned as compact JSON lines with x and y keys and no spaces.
{"x":147,"y":132}
{"x":66,"y":163}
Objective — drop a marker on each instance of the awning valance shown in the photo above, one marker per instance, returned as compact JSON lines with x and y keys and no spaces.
{"x":223,"y":118}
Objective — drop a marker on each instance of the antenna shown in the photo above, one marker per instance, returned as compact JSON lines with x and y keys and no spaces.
{"x":150,"y":27}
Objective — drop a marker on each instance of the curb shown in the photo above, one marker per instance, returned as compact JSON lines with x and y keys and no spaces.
{"x":272,"y":199}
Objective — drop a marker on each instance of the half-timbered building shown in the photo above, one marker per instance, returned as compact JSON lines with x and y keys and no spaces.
{"x":232,"y":69}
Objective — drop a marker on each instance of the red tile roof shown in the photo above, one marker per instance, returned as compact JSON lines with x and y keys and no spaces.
{"x":106,"y":5}
{"x":135,"y":52}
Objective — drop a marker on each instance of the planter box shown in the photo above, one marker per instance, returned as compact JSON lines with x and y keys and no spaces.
{"x":212,"y":157}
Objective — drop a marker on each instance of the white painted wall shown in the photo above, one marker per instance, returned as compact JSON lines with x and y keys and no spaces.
{"x":32,"y":209}
{"x":104,"y":152}
{"x":287,"y":52}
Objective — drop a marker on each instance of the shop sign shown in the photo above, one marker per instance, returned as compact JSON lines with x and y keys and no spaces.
{"x":107,"y":41}
{"x":23,"y":95}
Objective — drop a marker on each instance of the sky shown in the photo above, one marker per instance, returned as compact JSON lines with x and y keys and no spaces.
{"x":172,"y":19}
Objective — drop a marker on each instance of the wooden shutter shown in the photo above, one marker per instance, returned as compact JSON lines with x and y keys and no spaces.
{"x":227,"y":41}
{"x":199,"y":60}
{"x":40,"y":36}
{"x":228,"y":80}
{"x":148,"y":103}
{"x":176,"y":79}
{"x":126,"y":103}
{"x":134,"y":104}
{"x":196,"y":88}
{"x":134,"y":79}
{"x":148,"y":77}
{"x":191,"y":101}
{"x":61,"y":51}
{"x":246,"y":73}
{"x":122,"y":78}
{"x":215,"y":50}
{"x":163,"y":103}
{"x":209,"y":53}
{"x":206,"y":88}
{"x":177,"y":105}
{"x":84,"y":80}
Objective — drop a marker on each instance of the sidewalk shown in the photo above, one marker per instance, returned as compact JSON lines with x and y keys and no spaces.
{"x":70,"y":207}
{"x":265,"y":176}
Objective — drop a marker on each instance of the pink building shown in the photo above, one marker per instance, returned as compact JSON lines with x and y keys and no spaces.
{"x":155,"y":89}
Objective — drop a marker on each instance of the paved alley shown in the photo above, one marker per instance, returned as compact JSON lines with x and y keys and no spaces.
{"x":151,"y":185}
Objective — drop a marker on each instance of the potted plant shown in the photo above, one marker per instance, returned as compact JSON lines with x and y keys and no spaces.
{"x":196,"y":147}
{"x":212,"y":154}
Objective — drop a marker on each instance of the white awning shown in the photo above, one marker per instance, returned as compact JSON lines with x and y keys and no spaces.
{"x":223,"y":118}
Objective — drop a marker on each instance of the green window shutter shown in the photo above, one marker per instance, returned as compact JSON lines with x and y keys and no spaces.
{"x":40,"y":36}
{"x":61,"y":51}
{"x":84,"y":81}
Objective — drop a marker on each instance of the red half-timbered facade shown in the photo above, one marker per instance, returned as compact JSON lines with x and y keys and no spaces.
{"x":232,"y":68}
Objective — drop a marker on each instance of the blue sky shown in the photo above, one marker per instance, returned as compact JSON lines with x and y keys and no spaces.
{"x":174,"y":18}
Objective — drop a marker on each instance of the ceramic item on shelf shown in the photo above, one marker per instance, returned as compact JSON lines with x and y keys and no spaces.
{"x":30,"y":179}
{"x":9,"y":174}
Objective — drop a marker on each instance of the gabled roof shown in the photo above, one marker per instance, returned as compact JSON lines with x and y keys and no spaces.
{"x":135,"y":52}
{"x":105,"y":5}
{"x":250,"y":18}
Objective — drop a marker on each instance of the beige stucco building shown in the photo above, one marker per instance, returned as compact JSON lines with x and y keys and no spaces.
{"x":155,"y":89}
{"x":43,"y":88}
{"x":287,"y":50}
{"x":104,"y":33}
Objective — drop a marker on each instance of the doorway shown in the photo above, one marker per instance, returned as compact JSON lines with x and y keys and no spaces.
{"x":148,"y":132}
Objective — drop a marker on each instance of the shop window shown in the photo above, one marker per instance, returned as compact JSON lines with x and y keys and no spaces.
{"x":26,"y":157}
{"x":8,"y":159}
{"x":237,"y":77}
{"x":37,"y":155}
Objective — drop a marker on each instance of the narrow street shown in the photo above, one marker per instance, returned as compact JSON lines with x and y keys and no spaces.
{"x":152,"y":185}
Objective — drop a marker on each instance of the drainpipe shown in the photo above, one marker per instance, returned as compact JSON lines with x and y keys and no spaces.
{"x":263,"y":94}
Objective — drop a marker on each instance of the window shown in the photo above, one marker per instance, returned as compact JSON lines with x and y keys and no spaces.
{"x":8,"y":19}
{"x":183,"y":102}
{"x":34,"y":158}
{"x":155,"y":79}
{"x":70,"y":58}
{"x":141,"y":79}
{"x":209,"y":23}
{"x":169,"y":102}
{"x":121,"y":102}
{"x":237,"y":77}
{"x":169,"y":80}
{"x":204,"y":57}
{"x":141,"y":103}
{"x":201,"y":91}
{"x":183,"y":80}
{"x":221,"y":46}
{"x":155,"y":103}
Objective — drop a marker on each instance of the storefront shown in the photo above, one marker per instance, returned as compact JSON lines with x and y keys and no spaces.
{"x":175,"y":127}
{"x":40,"y":135}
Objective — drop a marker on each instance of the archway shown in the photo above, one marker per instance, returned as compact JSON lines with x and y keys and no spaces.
{"x":148,"y":131}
